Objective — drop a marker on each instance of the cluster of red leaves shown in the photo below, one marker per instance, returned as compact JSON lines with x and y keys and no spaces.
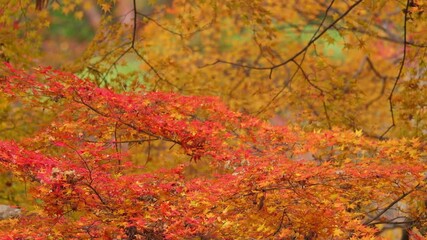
{"x":273,"y":182}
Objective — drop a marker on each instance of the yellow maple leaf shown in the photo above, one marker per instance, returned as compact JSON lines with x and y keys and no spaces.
{"x":78,"y":15}
{"x":338,"y":232}
{"x":359,"y":133}
{"x":105,"y":7}
{"x":260,"y":228}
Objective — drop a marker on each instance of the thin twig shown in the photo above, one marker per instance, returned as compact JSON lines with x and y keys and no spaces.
{"x":369,"y":222}
{"x":296,"y":55}
{"x":383,"y":85}
{"x":390,"y":97}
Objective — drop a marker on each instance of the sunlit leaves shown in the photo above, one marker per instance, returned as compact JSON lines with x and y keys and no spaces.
{"x":262,"y":180}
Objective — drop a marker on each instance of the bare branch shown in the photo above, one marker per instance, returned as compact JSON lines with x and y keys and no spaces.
{"x":390,"y":97}
{"x":296,"y":55}
{"x":383,"y":85}
{"x":369,"y":222}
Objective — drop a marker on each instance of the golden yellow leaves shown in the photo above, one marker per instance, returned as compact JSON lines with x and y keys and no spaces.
{"x":55,"y":5}
{"x":78,"y":15}
{"x":359,"y":133}
{"x":105,"y":7}
{"x":78,"y":7}
{"x":338,"y":232}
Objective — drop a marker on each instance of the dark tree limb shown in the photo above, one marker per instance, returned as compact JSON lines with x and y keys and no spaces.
{"x":296,"y":55}
{"x":378,"y":215}
{"x":390,"y":97}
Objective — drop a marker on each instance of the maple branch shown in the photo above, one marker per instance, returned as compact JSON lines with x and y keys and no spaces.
{"x":302,"y":52}
{"x":122,"y":122}
{"x":316,"y":87}
{"x":111,"y":52}
{"x":383,"y":85}
{"x":281,"y":222}
{"x":114,"y":64}
{"x":133,"y":48}
{"x":325,"y":110}
{"x":285,"y":85}
{"x":308,"y":79}
{"x":89,"y":106}
{"x":376,"y":72}
{"x":92,"y":67}
{"x":299,"y":65}
{"x":116,"y":145}
{"x":385,"y":38}
{"x":98,"y":195}
{"x":124,"y":141}
{"x":315,"y":38}
{"x":148,"y":151}
{"x":160,"y":25}
{"x":135,"y":17}
{"x":369,"y":222}
{"x":89,"y":184}
{"x":88,"y":228}
{"x":323,"y":20}
{"x":390,"y":97}
{"x":296,"y":55}
{"x":154,"y":69}
{"x":86,"y":165}
{"x":394,"y":223}
{"x":134,"y":24}
{"x":390,"y":36}
{"x":180,"y":34}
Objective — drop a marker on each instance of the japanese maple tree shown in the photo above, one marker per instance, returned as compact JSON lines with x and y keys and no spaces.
{"x":237,"y":124}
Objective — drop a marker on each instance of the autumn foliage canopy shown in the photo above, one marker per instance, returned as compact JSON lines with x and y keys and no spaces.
{"x":235,"y":123}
